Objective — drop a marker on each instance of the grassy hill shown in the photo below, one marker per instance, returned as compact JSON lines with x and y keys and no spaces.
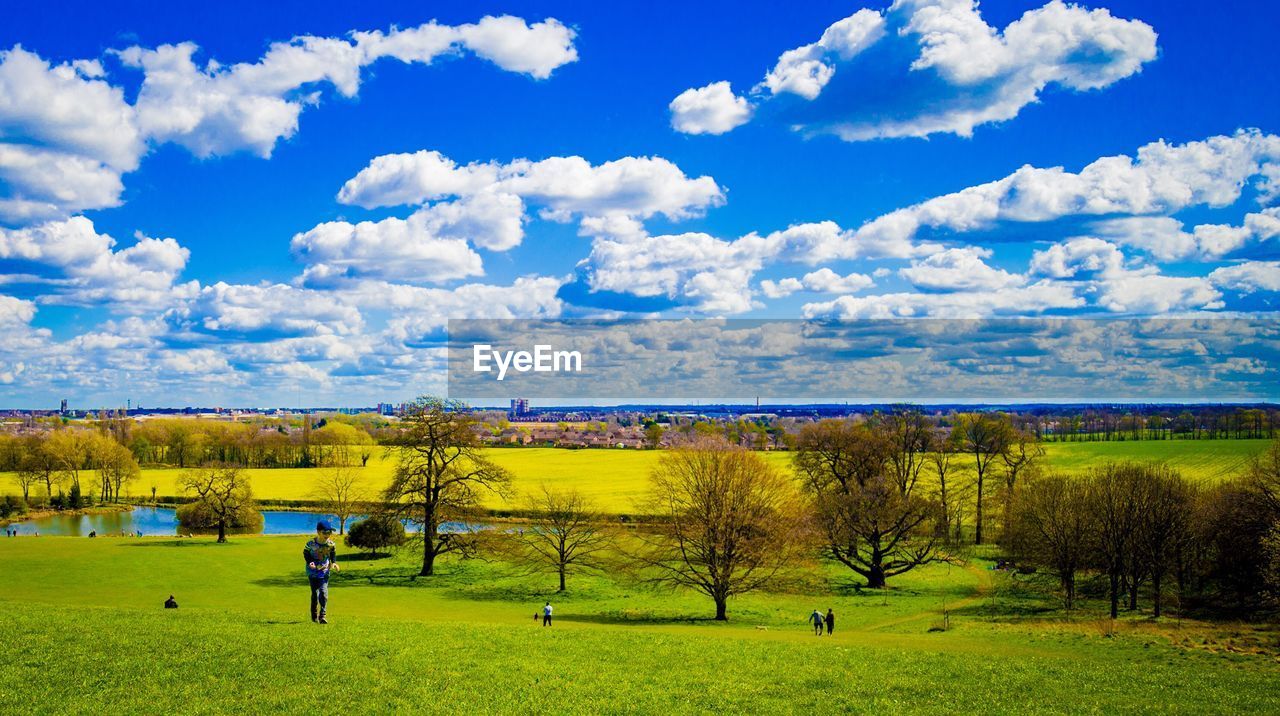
{"x":84,"y":632}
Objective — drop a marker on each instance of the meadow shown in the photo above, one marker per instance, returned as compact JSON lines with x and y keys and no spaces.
{"x":83,"y":628}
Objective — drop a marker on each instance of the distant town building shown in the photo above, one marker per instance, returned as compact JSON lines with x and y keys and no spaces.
{"x":63,"y":409}
{"x":519,"y":406}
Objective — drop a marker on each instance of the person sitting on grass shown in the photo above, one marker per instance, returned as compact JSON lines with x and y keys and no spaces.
{"x":170,"y":603}
{"x":321,"y":555}
{"x":817,"y":621}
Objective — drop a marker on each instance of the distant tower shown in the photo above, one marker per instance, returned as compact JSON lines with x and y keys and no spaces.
{"x":63,"y":409}
{"x":519,"y":406}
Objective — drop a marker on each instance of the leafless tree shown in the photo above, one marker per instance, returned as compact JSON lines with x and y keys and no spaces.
{"x":39,"y":461}
{"x":1054,"y":526}
{"x":942,"y":457}
{"x":565,"y":535}
{"x":730,"y":522}
{"x":1117,"y":502}
{"x":1264,"y":474}
{"x":911,"y":437}
{"x":1165,"y":526}
{"x":339,"y":489}
{"x":982,"y":435}
{"x":116,"y":467}
{"x":439,"y":472}
{"x":1021,"y":454}
{"x":27,"y":476}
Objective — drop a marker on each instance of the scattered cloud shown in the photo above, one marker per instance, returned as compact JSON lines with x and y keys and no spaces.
{"x":713,"y":109}
{"x":69,"y":262}
{"x":924,"y":67}
{"x":1248,"y":277}
{"x":1033,"y":299}
{"x":961,"y":269}
{"x":71,"y":134}
{"x":824,"y":280}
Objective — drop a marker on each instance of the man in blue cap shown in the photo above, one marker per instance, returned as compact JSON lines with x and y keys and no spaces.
{"x":321,"y":555}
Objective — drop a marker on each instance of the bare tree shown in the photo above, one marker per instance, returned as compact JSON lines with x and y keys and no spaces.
{"x":28,"y":476}
{"x":566,"y":534}
{"x":338,"y":488}
{"x":439,"y":473}
{"x":223,"y":492}
{"x":1264,"y":475}
{"x":116,"y":467}
{"x":1116,"y":498}
{"x":731,"y":522}
{"x":1165,"y":527}
{"x":982,"y":435}
{"x":40,"y":462}
{"x":868,"y":523}
{"x":1021,"y":454}
{"x":911,"y":437}
{"x":1054,"y":526}
{"x":941,"y":457}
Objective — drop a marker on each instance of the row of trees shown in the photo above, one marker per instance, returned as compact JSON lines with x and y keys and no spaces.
{"x":69,"y":461}
{"x":1199,"y":423}
{"x":1140,"y":526}
{"x":191,"y":443}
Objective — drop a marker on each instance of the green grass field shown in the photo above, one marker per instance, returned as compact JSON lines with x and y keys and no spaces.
{"x":617,"y":479}
{"x":84,"y":633}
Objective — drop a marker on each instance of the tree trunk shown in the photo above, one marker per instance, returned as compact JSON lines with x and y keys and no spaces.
{"x":1155,"y":593}
{"x":722,"y":605}
{"x":428,"y":543}
{"x":562,"y":577}
{"x":1115,"y":595}
{"x":222,"y":530}
{"x":875,"y":577}
{"x":977,"y":539}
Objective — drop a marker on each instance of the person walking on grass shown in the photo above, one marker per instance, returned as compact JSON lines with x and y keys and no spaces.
{"x":321,"y":555}
{"x":546,"y":614}
{"x":816,"y":620}
{"x":831,"y":621}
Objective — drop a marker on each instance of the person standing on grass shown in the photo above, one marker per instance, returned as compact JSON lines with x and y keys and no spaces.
{"x":321,"y":555}
{"x":546,"y":614}
{"x":831,"y":621}
{"x":816,"y":620}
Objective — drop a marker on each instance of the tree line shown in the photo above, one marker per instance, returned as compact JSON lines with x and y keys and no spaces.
{"x":1143,"y":531}
{"x":723,"y":521}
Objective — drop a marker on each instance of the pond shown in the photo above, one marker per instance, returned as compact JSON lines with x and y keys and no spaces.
{"x":163,"y":521}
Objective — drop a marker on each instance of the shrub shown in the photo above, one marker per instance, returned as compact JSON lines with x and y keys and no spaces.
{"x":376,"y":533}
{"x":12,"y":505}
{"x":196,"y":516}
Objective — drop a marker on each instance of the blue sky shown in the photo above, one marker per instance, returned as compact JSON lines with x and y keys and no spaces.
{"x":649,"y":186}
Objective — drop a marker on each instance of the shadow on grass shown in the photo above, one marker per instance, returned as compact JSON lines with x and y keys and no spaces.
{"x":363,"y":557}
{"x":641,"y":618}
